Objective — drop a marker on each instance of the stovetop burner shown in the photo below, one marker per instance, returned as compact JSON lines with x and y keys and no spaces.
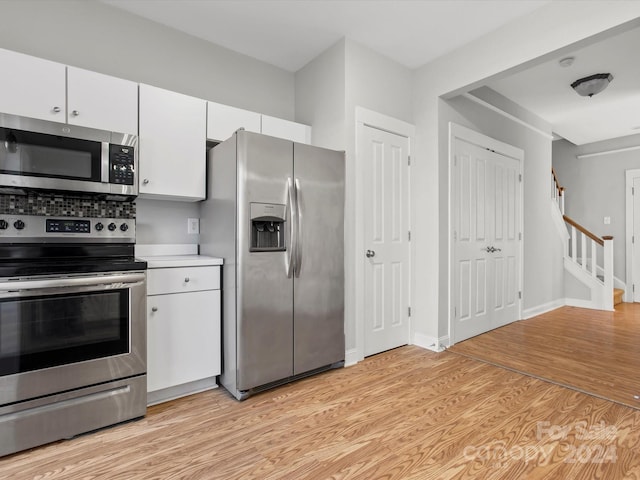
{"x":38,"y":245}
{"x":20,"y":260}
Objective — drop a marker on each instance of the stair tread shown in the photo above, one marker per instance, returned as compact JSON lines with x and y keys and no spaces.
{"x":618,"y":293}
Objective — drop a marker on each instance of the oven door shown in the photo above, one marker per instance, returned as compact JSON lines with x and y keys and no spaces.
{"x":58,"y":334}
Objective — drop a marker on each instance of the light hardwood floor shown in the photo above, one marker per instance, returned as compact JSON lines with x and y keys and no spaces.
{"x":404,"y":414}
{"x":590,"y":350}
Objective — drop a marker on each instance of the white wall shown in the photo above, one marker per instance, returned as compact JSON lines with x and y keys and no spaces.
{"x":328,"y":90}
{"x":543,"y":259}
{"x":98,"y":37}
{"x":595,"y":188}
{"x":377,"y":83}
{"x":320,"y":97}
{"x":543,"y":34}
{"x":165,"y":222}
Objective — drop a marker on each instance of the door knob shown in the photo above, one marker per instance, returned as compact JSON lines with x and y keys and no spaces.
{"x":370,"y":254}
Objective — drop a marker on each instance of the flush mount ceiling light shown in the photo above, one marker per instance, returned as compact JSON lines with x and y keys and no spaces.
{"x":593,"y":84}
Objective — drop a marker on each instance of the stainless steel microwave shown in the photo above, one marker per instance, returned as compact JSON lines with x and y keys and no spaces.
{"x":42,"y":155}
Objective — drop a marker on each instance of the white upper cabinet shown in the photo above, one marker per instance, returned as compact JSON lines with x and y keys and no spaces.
{"x":224,"y":120}
{"x":101,"y":101}
{"x":32,"y":87}
{"x":277,"y":127}
{"x":37,"y":88}
{"x":172,"y":151}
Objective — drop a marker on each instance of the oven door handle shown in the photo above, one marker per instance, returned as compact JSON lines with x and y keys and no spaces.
{"x":125,"y":280}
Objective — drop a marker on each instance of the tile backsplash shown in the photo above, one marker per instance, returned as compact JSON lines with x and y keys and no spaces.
{"x":65,"y":205}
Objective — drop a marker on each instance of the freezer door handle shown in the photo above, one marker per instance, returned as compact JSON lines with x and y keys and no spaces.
{"x":290,"y":259}
{"x":298,"y":196}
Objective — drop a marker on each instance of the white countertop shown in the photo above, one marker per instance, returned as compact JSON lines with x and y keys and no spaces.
{"x":169,"y":261}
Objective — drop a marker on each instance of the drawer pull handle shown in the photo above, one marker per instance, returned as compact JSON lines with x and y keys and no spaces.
{"x":154,"y":309}
{"x":186,"y":280}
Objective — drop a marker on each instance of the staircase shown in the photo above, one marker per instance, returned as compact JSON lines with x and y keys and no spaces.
{"x":588,"y":260}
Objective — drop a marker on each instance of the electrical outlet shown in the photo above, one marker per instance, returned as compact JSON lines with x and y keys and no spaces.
{"x":193,"y":226}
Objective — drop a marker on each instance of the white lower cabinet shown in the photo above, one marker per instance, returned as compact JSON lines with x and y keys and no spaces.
{"x":183,"y":331}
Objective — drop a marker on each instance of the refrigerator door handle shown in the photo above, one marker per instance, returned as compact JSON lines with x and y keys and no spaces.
{"x":298,"y":261}
{"x":293,"y":228}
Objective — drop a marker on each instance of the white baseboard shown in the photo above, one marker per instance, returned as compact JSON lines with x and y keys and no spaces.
{"x":580,"y":303}
{"x":430,"y":343}
{"x":544,"y":308}
{"x":351,"y":357}
{"x":171,"y":393}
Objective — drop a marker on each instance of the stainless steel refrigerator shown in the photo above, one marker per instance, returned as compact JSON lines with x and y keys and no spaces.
{"x":275,"y":213}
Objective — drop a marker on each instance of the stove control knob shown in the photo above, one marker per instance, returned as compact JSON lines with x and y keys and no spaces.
{"x":3,"y":224}
{"x":99,"y":226}
{"x":18,"y":224}
{"x":124,"y":227}
{"x":112,"y":227}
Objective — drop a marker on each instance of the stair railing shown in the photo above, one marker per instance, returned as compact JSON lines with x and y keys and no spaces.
{"x":557,"y":191}
{"x":584,"y":250}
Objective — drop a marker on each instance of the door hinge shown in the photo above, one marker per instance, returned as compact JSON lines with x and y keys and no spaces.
{"x":633,"y":287}
{"x":455,"y":235}
{"x":409,"y":235}
{"x":519,"y":235}
{"x":408,"y":159}
{"x":520,"y":295}
{"x":520,"y":177}
{"x":455,"y":312}
{"x":409,"y":311}
{"x":633,"y":190}
{"x":633,"y":239}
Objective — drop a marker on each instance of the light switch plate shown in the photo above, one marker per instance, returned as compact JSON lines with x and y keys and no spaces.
{"x":607,"y":220}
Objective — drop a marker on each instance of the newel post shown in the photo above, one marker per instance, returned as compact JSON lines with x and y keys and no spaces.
{"x":608,"y":273}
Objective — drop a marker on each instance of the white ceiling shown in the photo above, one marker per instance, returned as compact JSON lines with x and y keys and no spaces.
{"x":546,"y":90}
{"x":290,"y":33}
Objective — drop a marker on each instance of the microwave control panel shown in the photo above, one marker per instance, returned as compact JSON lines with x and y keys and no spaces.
{"x":121,"y":165}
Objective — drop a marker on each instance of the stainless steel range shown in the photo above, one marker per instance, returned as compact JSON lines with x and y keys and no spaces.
{"x":72,"y":328}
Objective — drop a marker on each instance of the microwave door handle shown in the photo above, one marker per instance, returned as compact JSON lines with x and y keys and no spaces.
{"x":104,"y":162}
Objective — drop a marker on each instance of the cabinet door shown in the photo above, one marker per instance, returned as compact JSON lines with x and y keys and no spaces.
{"x":172,"y":152}
{"x":100,"y":101}
{"x":277,"y":127}
{"x":183,"y":338}
{"x":223,"y":120}
{"x":32,"y":87}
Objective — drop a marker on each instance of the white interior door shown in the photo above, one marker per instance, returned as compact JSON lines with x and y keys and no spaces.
{"x":386,"y":240}
{"x":486,"y":232}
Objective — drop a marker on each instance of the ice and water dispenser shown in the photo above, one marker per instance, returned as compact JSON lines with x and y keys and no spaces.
{"x":267,"y":227}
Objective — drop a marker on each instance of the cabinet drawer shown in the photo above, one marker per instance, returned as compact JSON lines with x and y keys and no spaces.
{"x":182,"y":279}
